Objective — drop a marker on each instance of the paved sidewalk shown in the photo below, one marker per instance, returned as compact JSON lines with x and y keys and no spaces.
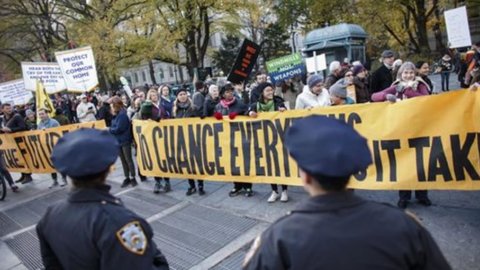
{"x":214,"y":231}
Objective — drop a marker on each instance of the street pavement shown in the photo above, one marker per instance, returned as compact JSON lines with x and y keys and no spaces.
{"x":214,"y":231}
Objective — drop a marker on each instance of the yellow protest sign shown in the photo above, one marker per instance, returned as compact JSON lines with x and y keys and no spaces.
{"x":30,"y":151}
{"x":43,"y":101}
{"x":430,"y":142}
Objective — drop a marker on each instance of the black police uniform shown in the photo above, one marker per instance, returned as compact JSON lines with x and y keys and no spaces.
{"x":339,"y":230}
{"x":343,"y":231}
{"x":93,"y":230}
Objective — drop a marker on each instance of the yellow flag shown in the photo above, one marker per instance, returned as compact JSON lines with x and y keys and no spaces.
{"x":43,"y":101}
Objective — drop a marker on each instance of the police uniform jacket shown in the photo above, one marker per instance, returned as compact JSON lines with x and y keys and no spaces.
{"x":93,"y":230}
{"x":342,"y":231}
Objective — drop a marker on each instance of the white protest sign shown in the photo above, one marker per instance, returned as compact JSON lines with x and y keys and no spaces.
{"x":458,"y":31}
{"x":14,"y":92}
{"x":126,"y":87}
{"x":78,"y":69}
{"x":318,"y":65}
{"x":49,"y":73}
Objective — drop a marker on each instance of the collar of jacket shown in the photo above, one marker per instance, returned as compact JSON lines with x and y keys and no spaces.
{"x":97,"y":194}
{"x":329,"y":202}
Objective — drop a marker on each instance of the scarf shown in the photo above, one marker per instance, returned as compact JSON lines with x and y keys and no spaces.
{"x":266,"y":107}
{"x":226,"y":104}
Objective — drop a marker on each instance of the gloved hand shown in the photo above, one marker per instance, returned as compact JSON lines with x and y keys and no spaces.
{"x":400,"y":88}
{"x":232,"y":115}
{"x":390,"y":97}
{"x":218,"y":115}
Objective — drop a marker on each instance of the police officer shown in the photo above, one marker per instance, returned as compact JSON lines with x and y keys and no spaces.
{"x":334,"y":228}
{"x":92,"y":229}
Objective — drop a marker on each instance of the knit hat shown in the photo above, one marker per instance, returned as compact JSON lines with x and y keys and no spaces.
{"x":357,"y":69}
{"x":264,"y":85}
{"x":181,"y":90}
{"x":28,"y":112}
{"x":226,"y":87}
{"x":314,"y":80}
{"x":339,"y":90}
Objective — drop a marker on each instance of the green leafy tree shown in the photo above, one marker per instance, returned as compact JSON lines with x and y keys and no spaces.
{"x":275,"y":42}
{"x":225,"y":57}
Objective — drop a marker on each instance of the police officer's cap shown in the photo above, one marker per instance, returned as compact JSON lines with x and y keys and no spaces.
{"x":328,"y":147}
{"x":84,"y":152}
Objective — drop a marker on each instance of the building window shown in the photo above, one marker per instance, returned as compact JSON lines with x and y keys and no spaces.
{"x":160,"y":72}
{"x":144,"y":78}
{"x":135,"y":77}
{"x":170,"y":71}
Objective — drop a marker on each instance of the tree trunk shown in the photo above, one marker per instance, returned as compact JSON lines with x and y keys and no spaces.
{"x":151,"y":70}
{"x":421,"y":26}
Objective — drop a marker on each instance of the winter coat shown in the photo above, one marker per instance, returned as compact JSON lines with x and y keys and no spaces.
{"x":209,"y":106}
{"x":105,"y":114}
{"x":167,"y":106}
{"x":236,"y":107}
{"x":82,"y":112}
{"x":121,"y":128}
{"x":308,"y":99}
{"x":419,"y":88}
{"x":361,"y":90}
{"x":278,"y":103}
{"x":381,"y":79}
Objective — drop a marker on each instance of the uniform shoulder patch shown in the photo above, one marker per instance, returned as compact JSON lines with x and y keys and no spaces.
{"x":132,"y":237}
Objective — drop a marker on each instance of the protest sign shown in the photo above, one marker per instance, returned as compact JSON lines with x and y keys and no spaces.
{"x":49,"y":73}
{"x":458,"y":31}
{"x":30,"y":151}
{"x":316,"y":63}
{"x":78,"y":69}
{"x":286,"y":67}
{"x":43,"y":101}
{"x":411,"y":147}
{"x":246,"y":59}
{"x":14,"y":92}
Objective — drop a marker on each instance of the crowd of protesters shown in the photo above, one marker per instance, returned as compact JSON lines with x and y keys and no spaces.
{"x":346,"y":83}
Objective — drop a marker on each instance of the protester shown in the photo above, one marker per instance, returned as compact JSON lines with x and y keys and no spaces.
{"x":268,"y":102}
{"x":315,"y":95}
{"x":165,"y":99}
{"x":260,"y":78}
{"x":104,"y":111}
{"x":423,"y":70}
{"x":395,"y":66}
{"x":12,"y":122}
{"x":198,"y":97}
{"x":445,"y":66}
{"x":30,"y":120}
{"x":242,"y":93}
{"x":151,"y":109}
{"x":211,"y":101}
{"x":472,"y":73}
{"x":183,"y":107}
{"x":231,"y":106}
{"x":61,"y":118}
{"x":362,"y":93}
{"x":6,"y":174}
{"x":406,"y":86}
{"x":85,"y":110}
{"x":382,"y":77}
{"x":334,"y":228}
{"x":289,"y":91}
{"x":133,"y":111}
{"x":47,"y":122}
{"x":338,"y":94}
{"x":92,"y":229}
{"x":121,"y":128}
{"x":335,"y":74}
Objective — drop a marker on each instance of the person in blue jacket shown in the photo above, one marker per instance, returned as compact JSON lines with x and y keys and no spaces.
{"x":121,"y":128}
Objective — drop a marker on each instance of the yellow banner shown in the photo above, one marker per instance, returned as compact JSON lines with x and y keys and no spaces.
{"x":30,"y":151}
{"x":430,"y":142}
